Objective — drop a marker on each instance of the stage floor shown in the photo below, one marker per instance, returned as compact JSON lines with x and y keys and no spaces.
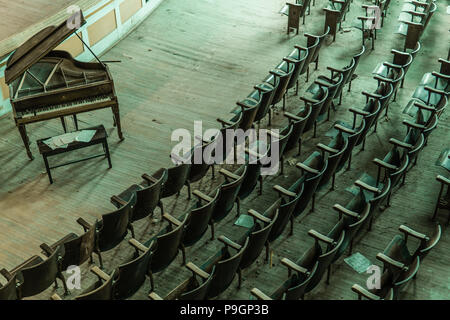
{"x":192,"y":60}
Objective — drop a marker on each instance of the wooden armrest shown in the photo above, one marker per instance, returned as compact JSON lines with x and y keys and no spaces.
{"x":259,"y":294}
{"x":139,"y":246}
{"x":284,"y":191}
{"x":47,"y":250}
{"x":345,"y":211}
{"x":423,"y":106}
{"x":254,"y":153}
{"x":6,"y":274}
{"x":408,"y":231}
{"x":327,"y":148}
{"x":99,"y":273}
{"x":322,"y":83}
{"x":359,"y":111}
{"x":372,"y":95}
{"x":366,"y":18}
{"x":309,"y":100}
{"x":242,"y":105}
{"x":273,"y":134}
{"x":291,"y":116}
{"x":434,"y":90}
{"x":86,"y":226}
{"x":277,"y":73}
{"x":394,"y":51}
{"x":293,"y":266}
{"x":380,"y":78}
{"x":290,"y":60}
{"x":149,"y":178}
{"x":320,"y":237}
{"x":300,"y":47}
{"x":229,"y":174}
{"x":196,"y":270}
{"x":400,"y":144}
{"x":335,"y":70}
{"x":415,"y":13}
{"x":171,"y":219}
{"x":260,"y":88}
{"x":413,"y":124}
{"x":202,"y":196}
{"x":117,"y":200}
{"x":224,"y":122}
{"x":388,"y":260}
{"x":55,"y":296}
{"x":367,"y":187}
{"x":154,"y":296}
{"x":391,"y":65}
{"x":443,"y":179}
{"x":344,"y":129}
{"x":304,"y":167}
{"x":384,"y":164}
{"x":420,"y":4}
{"x":363,"y":292}
{"x":229,"y":242}
{"x":255,"y":214}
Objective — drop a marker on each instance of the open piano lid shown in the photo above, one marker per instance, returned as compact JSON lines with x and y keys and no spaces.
{"x":39,"y":45}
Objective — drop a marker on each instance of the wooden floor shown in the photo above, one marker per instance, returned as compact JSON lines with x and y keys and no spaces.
{"x":22,"y":19}
{"x":192,"y":61}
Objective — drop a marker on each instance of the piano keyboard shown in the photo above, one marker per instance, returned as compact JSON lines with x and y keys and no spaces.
{"x":72,"y":104}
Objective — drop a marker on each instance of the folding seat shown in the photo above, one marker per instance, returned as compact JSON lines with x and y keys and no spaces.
{"x":227,"y":267}
{"x":284,"y":70}
{"x":10,"y":289}
{"x":311,"y":39}
{"x":369,"y":113}
{"x":436,"y":80}
{"x":369,"y":23}
{"x":443,"y":200}
{"x":298,"y":120}
{"x":335,"y":149}
{"x":395,"y":75}
{"x":335,"y":14}
{"x":265,"y":93}
{"x":132,"y":274}
{"x":313,"y":169}
{"x":352,"y":133}
{"x":413,"y":142}
{"x":279,"y":141}
{"x":315,"y":103}
{"x":147,"y":195}
{"x":297,"y":58}
{"x":195,"y":290}
{"x":102,"y":289}
{"x":383,"y":94}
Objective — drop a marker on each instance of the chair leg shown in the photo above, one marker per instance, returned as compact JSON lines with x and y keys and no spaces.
{"x":188,"y":184}
{"x":239,"y":277}
{"x":307,"y":73}
{"x":267,"y":251}
{"x":212,"y":230}
{"x":183,"y":252}
{"x":100,"y":259}
{"x":369,"y":228}
{"x":130,"y":226}
{"x":296,"y":88}
{"x":63,"y":279}
{"x":291,"y":231}
{"x":315,"y":129}
{"x":260,"y":178}
{"x":161,"y":207}
{"x":213,"y":171}
{"x":328,"y":274}
{"x":437,"y":203}
{"x":238,"y":207}
{"x":270,"y":117}
{"x":333,"y":181}
{"x":152,"y":281}
{"x":284,"y":102}
{"x":313,"y":201}
{"x":282,"y":165}
{"x":349,"y":162}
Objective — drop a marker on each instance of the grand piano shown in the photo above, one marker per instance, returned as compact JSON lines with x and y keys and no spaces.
{"x":46,"y":84}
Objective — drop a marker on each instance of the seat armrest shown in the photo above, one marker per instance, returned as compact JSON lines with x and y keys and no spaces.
{"x":320,"y":237}
{"x":293,"y":266}
{"x":229,"y":242}
{"x":290,"y":60}
{"x":384,"y":164}
{"x":291,"y":116}
{"x":443,"y":180}
{"x":345,"y":211}
{"x":327,"y":148}
{"x":228,"y":174}
{"x":259,"y":294}
{"x":304,"y":167}
{"x":196,"y":270}
{"x":55,"y":296}
{"x":154,"y":296}
{"x":391,"y":65}
{"x":225,"y":122}
{"x":6,"y":274}
{"x":372,"y":95}
{"x":284,"y":191}
{"x":363,"y":292}
{"x":367,"y":187}
{"x":171,"y":219}
{"x":255,"y":214}
{"x":410,"y":232}
{"x":86,"y":226}
{"x":309,"y":100}
{"x":413,"y":124}
{"x":388,"y":260}
{"x":202,"y":196}
{"x":359,"y":111}
{"x":137,"y":245}
{"x":400,"y":144}
{"x":47,"y":250}
{"x":149,"y":178}
{"x":116,"y":201}
{"x":344,"y":129}
{"x":99,"y":273}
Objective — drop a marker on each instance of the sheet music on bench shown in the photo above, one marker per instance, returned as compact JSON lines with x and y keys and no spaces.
{"x":47,"y":84}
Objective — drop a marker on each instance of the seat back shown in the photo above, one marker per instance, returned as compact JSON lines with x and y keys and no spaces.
{"x":340,"y":143}
{"x":200,"y":217}
{"x":199,"y":291}
{"x":201,"y":161}
{"x":321,"y":97}
{"x":39,"y":277}
{"x":299,"y":56}
{"x":258,"y":238}
{"x":167,"y":246}
{"x":267,"y":92}
{"x":352,"y":139}
{"x":298,"y":284}
{"x":176,"y":179}
{"x":227,"y":197}
{"x":103,"y":290}
{"x":426,"y":247}
{"x":148,"y":198}
{"x":132,"y":274}
{"x":312,"y":44}
{"x":356,"y":59}
{"x":298,"y":126}
{"x":373,"y":106}
{"x":311,"y":39}
{"x":223,"y":146}
{"x":9,"y":291}
{"x":114,"y":226}
{"x":287,"y":72}
{"x":80,"y":249}
{"x":225,"y":271}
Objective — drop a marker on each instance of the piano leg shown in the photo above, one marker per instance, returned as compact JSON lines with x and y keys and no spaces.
{"x":26,"y":141}
{"x":115,"y":110}
{"x":63,"y":122}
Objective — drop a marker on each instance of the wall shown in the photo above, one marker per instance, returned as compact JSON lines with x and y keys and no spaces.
{"x":106,"y":23}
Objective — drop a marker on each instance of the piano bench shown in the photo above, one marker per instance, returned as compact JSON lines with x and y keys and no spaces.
{"x":100,"y":137}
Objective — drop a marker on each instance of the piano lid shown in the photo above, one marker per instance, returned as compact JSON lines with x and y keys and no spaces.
{"x":38,"y":46}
